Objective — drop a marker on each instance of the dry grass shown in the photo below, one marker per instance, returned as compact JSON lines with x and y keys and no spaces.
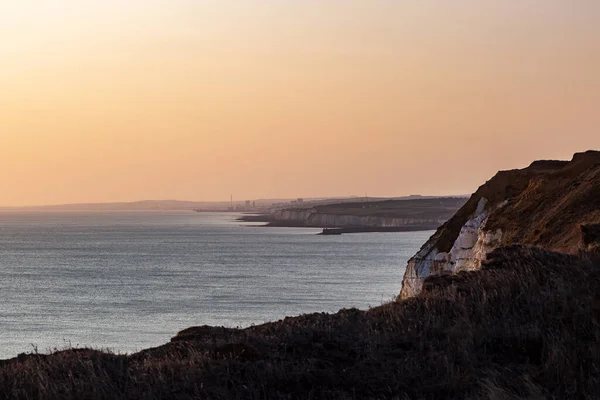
{"x":526,"y":326}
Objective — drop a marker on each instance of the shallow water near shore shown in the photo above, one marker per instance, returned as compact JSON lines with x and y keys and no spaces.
{"x":131,"y":280}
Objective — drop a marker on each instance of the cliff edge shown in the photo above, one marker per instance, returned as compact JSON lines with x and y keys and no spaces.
{"x":550,"y":204}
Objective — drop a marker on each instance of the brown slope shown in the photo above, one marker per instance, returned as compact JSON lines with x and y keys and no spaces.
{"x":545,"y":205}
{"x":550,"y":211}
{"x":504,"y":185}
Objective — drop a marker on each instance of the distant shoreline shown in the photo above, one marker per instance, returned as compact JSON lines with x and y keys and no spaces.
{"x":408,"y":215}
{"x":269,"y":223}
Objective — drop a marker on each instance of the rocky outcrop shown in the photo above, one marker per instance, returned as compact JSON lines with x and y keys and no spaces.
{"x":544,"y":205}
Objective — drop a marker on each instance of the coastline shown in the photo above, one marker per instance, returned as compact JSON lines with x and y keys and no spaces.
{"x":269,"y":222}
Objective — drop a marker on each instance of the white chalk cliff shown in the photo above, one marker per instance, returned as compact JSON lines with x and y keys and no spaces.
{"x":312,"y":217}
{"x":541,"y":205}
{"x":467,"y":253}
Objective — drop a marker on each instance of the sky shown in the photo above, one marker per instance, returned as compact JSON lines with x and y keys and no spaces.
{"x":117,"y":100}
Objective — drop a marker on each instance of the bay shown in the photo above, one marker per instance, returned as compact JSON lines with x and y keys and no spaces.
{"x":126,"y":281}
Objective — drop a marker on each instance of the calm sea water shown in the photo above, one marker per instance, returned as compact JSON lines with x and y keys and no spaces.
{"x":131,"y":280}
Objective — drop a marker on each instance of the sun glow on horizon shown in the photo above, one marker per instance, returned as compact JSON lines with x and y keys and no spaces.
{"x":121,"y":101}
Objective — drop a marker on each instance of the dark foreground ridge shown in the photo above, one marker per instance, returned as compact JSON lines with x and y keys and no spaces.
{"x":524,"y":326}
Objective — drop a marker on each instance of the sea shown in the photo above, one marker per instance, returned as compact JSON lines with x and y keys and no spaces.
{"x":125,"y":281}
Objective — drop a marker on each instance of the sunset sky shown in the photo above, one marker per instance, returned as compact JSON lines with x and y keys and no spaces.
{"x":118,"y":100}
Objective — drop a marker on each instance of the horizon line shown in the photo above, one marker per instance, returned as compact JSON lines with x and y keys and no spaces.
{"x":100,"y":203}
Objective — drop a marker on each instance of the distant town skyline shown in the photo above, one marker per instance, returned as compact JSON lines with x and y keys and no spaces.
{"x":112,"y":101}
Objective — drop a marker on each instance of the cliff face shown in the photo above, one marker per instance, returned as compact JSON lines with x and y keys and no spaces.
{"x":312,"y":218}
{"x":545,"y":204}
{"x":425,"y":214}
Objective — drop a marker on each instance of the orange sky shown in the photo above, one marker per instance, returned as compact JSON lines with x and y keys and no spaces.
{"x":190,"y":99}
